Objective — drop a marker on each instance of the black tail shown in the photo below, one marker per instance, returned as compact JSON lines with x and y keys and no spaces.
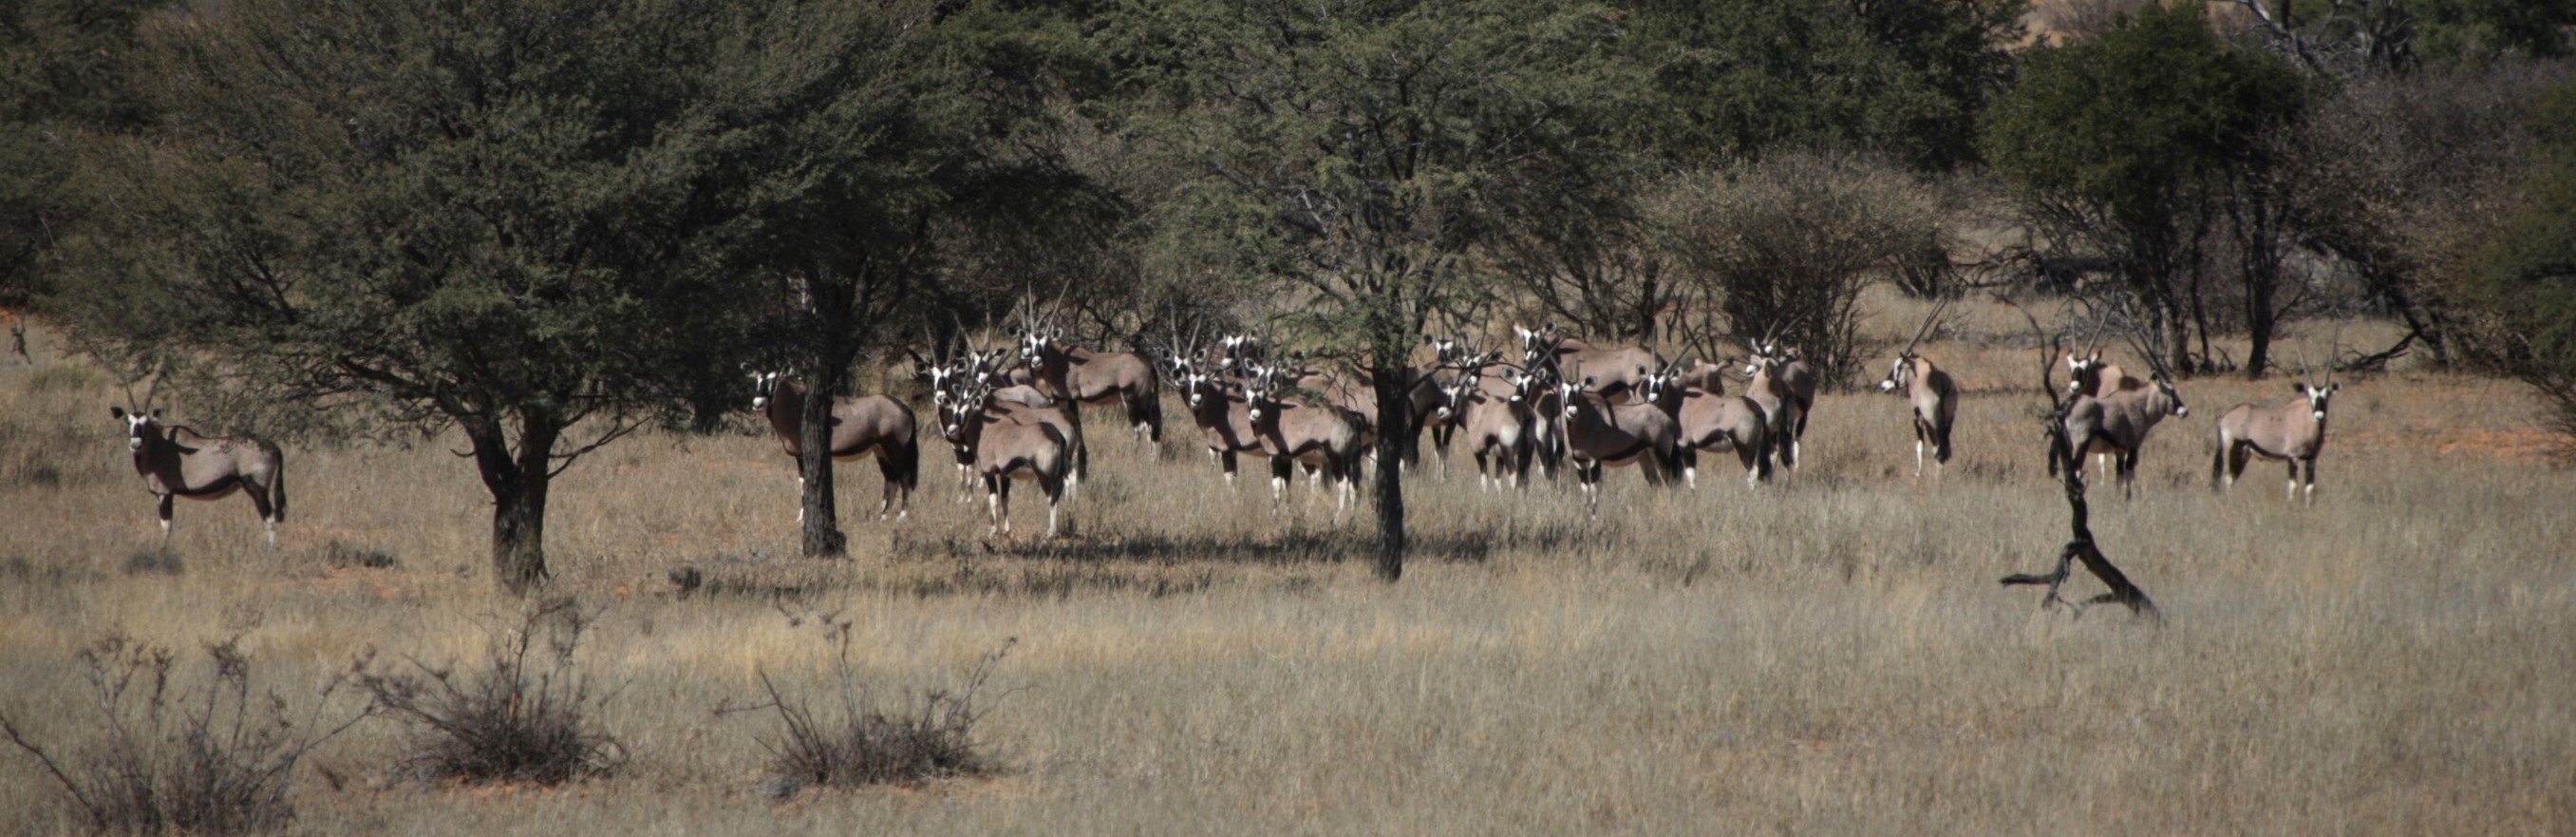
{"x":1941,"y":444}
{"x":277,"y":488}
{"x":901,"y":463}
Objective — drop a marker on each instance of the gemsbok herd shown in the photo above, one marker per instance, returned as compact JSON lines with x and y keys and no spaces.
{"x":1557,"y":403}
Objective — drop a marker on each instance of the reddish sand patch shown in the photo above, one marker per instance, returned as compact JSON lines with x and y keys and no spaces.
{"x":2531,"y":445}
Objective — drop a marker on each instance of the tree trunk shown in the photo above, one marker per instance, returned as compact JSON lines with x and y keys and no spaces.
{"x":518,"y":485}
{"x":1394,"y":421}
{"x":823,"y":536}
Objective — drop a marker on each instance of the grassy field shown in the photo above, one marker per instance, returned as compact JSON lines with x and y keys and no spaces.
{"x":1830,"y":654}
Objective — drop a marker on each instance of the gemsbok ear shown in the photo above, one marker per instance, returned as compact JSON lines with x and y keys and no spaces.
{"x":2330,"y":388}
{"x":2299,"y":387}
{"x":118,"y":412}
{"x":156,"y":412}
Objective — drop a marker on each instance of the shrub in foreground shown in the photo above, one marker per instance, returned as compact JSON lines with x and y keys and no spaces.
{"x":844,"y":738}
{"x":161,"y":758}
{"x":524,"y":716}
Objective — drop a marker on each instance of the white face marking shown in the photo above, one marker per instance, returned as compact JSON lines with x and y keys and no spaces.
{"x":137,"y":428}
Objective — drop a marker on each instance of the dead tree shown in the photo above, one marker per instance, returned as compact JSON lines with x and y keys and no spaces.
{"x":2080,"y":547}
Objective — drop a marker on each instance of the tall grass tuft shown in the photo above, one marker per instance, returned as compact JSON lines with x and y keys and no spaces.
{"x":843,"y":738}
{"x":525,"y":716}
{"x":212,"y":758}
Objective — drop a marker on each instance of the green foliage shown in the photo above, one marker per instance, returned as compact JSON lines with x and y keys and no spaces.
{"x":1737,"y":77}
{"x":2477,"y":30}
{"x":1361,"y":149}
{"x":2128,"y":121}
{"x":62,"y":73}
{"x":2525,"y":278}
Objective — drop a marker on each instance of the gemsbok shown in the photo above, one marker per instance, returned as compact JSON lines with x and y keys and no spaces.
{"x":175,"y":461}
{"x":2294,"y":433}
{"x":1620,"y":369}
{"x":1931,"y":393}
{"x":1600,"y":434}
{"x":1934,"y":399}
{"x":1314,"y":432}
{"x":980,"y":370}
{"x":1712,"y":421}
{"x":2118,"y":421}
{"x":1223,"y":415}
{"x":861,"y":426}
{"x":1013,"y":442}
{"x":1496,"y":415}
{"x":1797,"y":384}
{"x":2088,"y":374}
{"x":1086,"y":378}
{"x":1768,"y":386}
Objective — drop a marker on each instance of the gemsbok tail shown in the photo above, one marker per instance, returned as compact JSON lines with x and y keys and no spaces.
{"x":902,"y":463}
{"x":1153,"y":414}
{"x":1941,"y":444}
{"x":277,"y":487}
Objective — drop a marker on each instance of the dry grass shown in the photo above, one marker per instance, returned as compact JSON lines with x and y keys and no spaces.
{"x":1829,"y":655}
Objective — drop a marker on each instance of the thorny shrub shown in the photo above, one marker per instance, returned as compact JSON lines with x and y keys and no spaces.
{"x":524,"y":716}
{"x":845,"y":738}
{"x":206,"y":758}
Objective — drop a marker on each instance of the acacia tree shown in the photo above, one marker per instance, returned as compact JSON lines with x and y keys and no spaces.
{"x":1355,"y":150}
{"x":62,"y":67}
{"x":374,"y":218}
{"x":2128,"y":142}
{"x":869,"y":149}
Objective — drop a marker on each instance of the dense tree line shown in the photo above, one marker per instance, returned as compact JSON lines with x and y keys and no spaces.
{"x":546,"y":224}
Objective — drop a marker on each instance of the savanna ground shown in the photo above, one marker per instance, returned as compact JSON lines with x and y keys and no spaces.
{"x":1830,"y":654}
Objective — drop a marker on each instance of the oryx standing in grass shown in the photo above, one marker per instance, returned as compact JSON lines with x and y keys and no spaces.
{"x":2088,"y":374}
{"x":861,"y":426}
{"x":1767,"y":385}
{"x":1314,"y":432}
{"x":1712,"y":421}
{"x":1086,"y":378}
{"x":1223,"y":414}
{"x":2118,"y":422}
{"x":2294,"y":433}
{"x":1600,"y":434}
{"x":1931,"y":393}
{"x":1619,"y":369}
{"x":1012,"y":442}
{"x":1794,"y":392}
{"x":178,"y":462}
{"x":1497,"y":415}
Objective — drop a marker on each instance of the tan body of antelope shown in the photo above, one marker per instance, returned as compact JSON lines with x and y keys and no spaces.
{"x":861,"y":426}
{"x":1768,"y":387}
{"x":1599,"y":434}
{"x":1934,"y":401}
{"x":1713,"y":422}
{"x":1091,"y":379}
{"x":1621,"y":370}
{"x":1014,"y":442}
{"x":2119,"y":420}
{"x":178,"y":462}
{"x":2294,"y":433}
{"x":1496,"y":416}
{"x":1317,"y":433}
{"x":2088,"y":374}
{"x":1223,"y":416}
{"x":1792,"y":388}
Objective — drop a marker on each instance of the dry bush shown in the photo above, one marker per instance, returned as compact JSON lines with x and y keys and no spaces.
{"x":1785,"y":246}
{"x":525,"y":717}
{"x":341,"y":556}
{"x":854,"y":741}
{"x":206,"y":759}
